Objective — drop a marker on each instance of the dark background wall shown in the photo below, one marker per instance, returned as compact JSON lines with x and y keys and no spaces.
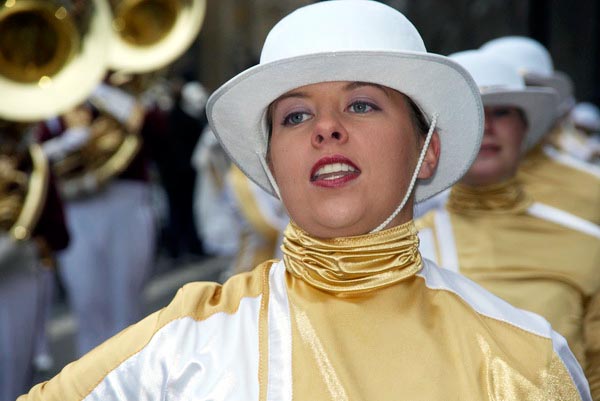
{"x":234,"y":30}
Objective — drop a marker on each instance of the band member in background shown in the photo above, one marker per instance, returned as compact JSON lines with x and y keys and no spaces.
{"x":260,"y":220}
{"x":212,"y":218}
{"x":548,"y":166}
{"x":534,"y":256}
{"x":349,"y":121}
{"x":172,"y":155}
{"x":98,"y":153}
{"x":586,"y":119}
{"x":32,"y":229}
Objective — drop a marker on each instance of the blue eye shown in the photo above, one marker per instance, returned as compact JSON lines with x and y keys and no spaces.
{"x":295,"y":118}
{"x":362,"y":107}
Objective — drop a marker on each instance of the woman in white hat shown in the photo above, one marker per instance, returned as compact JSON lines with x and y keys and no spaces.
{"x":553,"y":164}
{"x":491,"y":230}
{"x":338,"y":119}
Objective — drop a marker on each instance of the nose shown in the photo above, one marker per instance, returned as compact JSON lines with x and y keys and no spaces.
{"x":329,"y":129}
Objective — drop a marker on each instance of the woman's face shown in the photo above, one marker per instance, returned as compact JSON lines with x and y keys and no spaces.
{"x":342,"y":154}
{"x":500,"y":152}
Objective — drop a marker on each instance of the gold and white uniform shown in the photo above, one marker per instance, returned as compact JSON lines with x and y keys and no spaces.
{"x":530,"y":254}
{"x":558,"y":179}
{"x":360,"y":318}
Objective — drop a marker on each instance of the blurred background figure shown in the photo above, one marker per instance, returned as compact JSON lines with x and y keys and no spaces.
{"x":586,"y":146}
{"x":173,"y":159}
{"x":213,"y":220}
{"x":491,"y":229}
{"x":259,"y":218}
{"x":45,"y":47}
{"x":234,"y":216}
{"x":104,"y":181}
{"x":100,"y":151}
{"x":549,"y":166}
{"x":32,"y":229}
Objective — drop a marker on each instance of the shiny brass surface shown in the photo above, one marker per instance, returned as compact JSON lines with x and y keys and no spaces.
{"x":34,"y":41}
{"x":23,"y":188}
{"x":145,"y":23}
{"x":52,"y":54}
{"x":147,"y":35}
{"x":110,"y":149}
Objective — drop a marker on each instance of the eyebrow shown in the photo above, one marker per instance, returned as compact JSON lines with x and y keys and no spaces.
{"x":355,"y":85}
{"x":350,"y":86}
{"x":296,"y":94}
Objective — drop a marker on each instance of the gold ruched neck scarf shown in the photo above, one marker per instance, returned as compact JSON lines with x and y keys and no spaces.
{"x":506,"y":197}
{"x":352,"y":265}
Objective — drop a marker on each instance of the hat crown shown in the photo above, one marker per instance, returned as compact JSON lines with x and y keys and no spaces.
{"x":489,"y":72}
{"x":341,"y":25}
{"x":527,"y":55}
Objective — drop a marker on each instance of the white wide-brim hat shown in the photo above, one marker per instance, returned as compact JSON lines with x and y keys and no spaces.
{"x":501,"y":85}
{"x":349,"y":40}
{"x":533,"y":61}
{"x":586,"y":115}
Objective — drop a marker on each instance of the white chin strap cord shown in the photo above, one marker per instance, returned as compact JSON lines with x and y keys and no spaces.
{"x":267,"y":170}
{"x":387,"y":221}
{"x":414,"y":177}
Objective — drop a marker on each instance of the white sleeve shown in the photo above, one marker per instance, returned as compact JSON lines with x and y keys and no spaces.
{"x":116,"y":102}
{"x":70,"y":141}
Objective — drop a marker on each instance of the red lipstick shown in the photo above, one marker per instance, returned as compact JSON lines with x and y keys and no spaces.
{"x":333,"y":179}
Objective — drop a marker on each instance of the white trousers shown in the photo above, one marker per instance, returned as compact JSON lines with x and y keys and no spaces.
{"x":19,"y":314}
{"x":109,"y":259}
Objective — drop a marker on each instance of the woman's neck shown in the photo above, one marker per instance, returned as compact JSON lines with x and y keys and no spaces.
{"x":349,"y":266}
{"x":503,"y":197}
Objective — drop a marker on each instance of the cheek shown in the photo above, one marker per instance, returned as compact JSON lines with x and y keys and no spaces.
{"x":514,"y":137}
{"x":398,"y":153}
{"x":284,"y":162}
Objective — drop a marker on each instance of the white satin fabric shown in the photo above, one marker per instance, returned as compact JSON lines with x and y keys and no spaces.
{"x":213,"y":359}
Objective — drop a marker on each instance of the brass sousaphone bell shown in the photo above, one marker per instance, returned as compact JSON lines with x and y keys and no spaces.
{"x":52,"y":54}
{"x":150,"y":34}
{"x":146,"y":35}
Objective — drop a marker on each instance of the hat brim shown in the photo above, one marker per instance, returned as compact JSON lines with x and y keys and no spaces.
{"x":539,"y":106}
{"x":237,"y":110}
{"x":558,"y":81}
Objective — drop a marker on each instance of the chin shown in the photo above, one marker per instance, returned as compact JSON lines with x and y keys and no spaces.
{"x":333,"y":225}
{"x":483,"y":174}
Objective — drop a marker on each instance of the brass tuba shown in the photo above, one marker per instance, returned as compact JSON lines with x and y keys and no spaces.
{"x":150,"y":34}
{"x":52,"y":54}
{"x":145,"y":36}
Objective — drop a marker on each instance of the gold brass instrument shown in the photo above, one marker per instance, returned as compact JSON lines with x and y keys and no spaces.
{"x":24,"y":174}
{"x":52,"y":54}
{"x":110,"y":149}
{"x":150,"y":34}
{"x":146,"y":35}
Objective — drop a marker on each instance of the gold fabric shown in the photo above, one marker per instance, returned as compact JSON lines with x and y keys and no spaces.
{"x":502,"y":198}
{"x":393,"y":338}
{"x":354,"y":264}
{"x":198,"y":301}
{"x":591,"y":330}
{"x":251,"y":250}
{"x":400,"y":341}
{"x":560,"y":186}
{"x":532,"y":263}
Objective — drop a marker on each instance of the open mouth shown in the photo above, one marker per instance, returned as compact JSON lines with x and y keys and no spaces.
{"x":333,"y":171}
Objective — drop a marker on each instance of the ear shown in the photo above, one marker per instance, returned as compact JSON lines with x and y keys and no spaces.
{"x":432,"y":156}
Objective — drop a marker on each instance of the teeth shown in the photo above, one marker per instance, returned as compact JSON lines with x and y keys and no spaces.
{"x":335,"y":168}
